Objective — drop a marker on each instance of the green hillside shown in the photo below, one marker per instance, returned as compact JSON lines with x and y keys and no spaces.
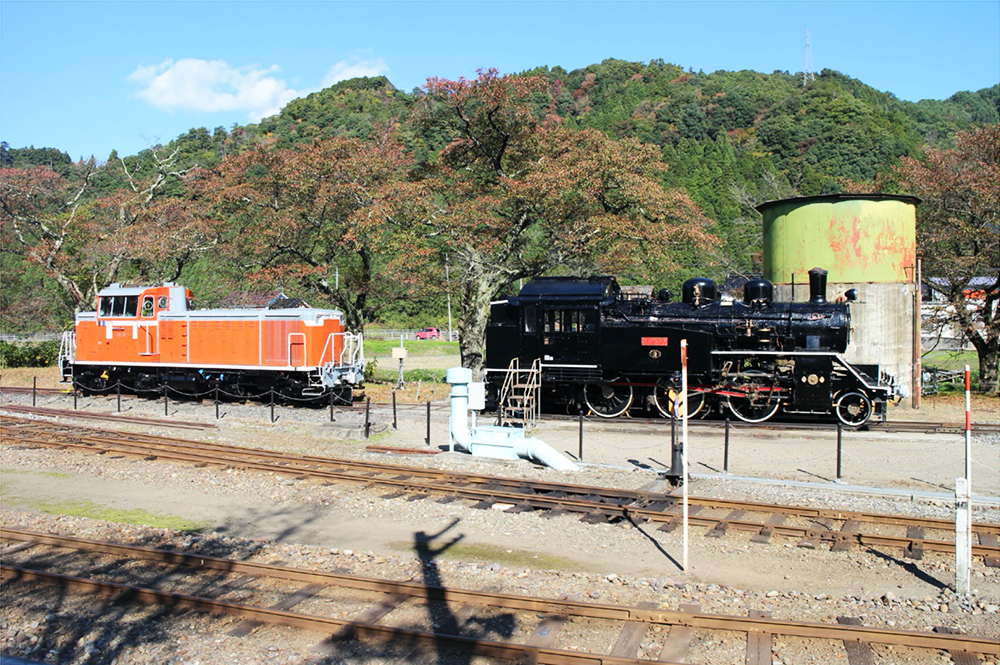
{"x":730,"y":140}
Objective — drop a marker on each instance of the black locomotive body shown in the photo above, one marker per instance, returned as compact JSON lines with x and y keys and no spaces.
{"x":610,"y":352}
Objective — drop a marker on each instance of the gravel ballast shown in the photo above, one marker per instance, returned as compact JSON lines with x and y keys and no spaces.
{"x":268,"y":518}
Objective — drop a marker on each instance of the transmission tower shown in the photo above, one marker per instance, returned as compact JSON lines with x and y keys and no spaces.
{"x":807,"y":72}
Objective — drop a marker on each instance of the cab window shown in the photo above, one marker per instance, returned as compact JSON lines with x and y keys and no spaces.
{"x":119,"y":306}
{"x":569,"y":320}
{"x":147,"y":306}
{"x":530,"y":320}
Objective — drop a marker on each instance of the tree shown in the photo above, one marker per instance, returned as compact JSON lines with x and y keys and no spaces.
{"x":84,"y":244}
{"x":333,"y":217}
{"x":41,"y":211}
{"x":521,"y":195}
{"x":958,"y":234}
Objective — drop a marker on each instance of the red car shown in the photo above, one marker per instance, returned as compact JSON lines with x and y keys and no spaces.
{"x":428,"y":333}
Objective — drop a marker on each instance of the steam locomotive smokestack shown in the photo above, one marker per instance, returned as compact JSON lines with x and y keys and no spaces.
{"x":817,"y":286}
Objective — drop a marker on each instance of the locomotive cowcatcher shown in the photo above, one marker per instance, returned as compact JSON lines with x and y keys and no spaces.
{"x":594,"y":347}
{"x":143,"y":339}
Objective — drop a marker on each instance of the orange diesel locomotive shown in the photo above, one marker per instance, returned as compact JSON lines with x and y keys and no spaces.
{"x":145,"y":338}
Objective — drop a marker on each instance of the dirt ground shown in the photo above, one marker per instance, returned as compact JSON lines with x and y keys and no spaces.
{"x":106,"y":496}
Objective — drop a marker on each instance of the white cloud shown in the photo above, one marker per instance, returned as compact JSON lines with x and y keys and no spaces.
{"x":190,"y":84}
{"x":354,"y":67}
{"x":201,"y":85}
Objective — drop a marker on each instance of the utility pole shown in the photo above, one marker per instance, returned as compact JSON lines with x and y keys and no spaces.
{"x":447,"y":286}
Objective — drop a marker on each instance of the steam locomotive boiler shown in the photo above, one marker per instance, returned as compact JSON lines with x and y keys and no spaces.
{"x":143,"y":339}
{"x":609,"y":352}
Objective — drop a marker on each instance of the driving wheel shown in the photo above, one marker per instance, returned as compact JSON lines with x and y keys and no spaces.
{"x":757,"y":402}
{"x":608,"y":400}
{"x":667,"y":397}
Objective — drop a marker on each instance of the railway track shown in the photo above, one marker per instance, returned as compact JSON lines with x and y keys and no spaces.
{"x":809,"y":527}
{"x":443,"y":410}
{"x":436,"y":619}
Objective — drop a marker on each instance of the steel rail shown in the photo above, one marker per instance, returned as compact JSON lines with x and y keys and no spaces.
{"x":384,"y":635}
{"x":21,"y":390}
{"x":89,"y":415}
{"x":888,"y":426}
{"x":616,"y":498}
{"x":525,"y":603}
{"x":586,"y":504}
{"x":630,"y":498}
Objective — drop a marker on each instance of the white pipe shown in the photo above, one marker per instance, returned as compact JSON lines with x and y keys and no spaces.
{"x":459,"y":378}
{"x":536,"y":449}
{"x":543,"y":453}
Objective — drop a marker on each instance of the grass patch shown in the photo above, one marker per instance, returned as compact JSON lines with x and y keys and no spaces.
{"x":92,"y":510}
{"x":379,"y":348}
{"x":48,"y":474}
{"x":510,"y":558}
{"x":409,"y":375}
{"x":951,"y":359}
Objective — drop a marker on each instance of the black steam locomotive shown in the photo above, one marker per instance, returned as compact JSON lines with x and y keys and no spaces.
{"x":594,"y":346}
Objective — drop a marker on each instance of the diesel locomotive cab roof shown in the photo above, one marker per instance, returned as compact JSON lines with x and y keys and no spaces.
{"x":577,"y":290}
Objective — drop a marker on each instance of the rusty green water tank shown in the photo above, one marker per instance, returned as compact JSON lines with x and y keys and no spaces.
{"x":866,"y":242}
{"x":856,"y":237}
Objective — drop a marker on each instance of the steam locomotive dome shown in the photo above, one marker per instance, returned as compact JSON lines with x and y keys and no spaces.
{"x":868,"y":243}
{"x":758,"y":292}
{"x":698,"y":291}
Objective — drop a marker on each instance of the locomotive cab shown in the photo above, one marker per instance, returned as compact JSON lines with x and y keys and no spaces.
{"x":559,"y":322}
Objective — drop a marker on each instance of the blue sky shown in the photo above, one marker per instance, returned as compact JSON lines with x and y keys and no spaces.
{"x":89,"y":77}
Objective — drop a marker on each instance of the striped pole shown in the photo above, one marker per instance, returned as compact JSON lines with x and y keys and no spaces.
{"x":684,"y":444}
{"x":963,"y":504}
{"x":968,"y":427}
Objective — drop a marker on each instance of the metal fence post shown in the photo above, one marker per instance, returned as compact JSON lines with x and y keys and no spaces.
{"x":394,"y":426}
{"x":580,"y":414}
{"x":331,"y":404}
{"x":272,"y":405}
{"x":166,"y":401}
{"x":216,"y":402}
{"x":428,"y":439}
{"x":119,"y":397}
{"x":34,"y":389}
{"x":725,"y":458}
{"x":368,"y":424}
{"x":840,"y":435}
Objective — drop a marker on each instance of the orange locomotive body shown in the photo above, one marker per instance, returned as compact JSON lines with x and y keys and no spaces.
{"x":145,"y":338}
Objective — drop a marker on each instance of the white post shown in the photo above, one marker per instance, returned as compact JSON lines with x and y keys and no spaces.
{"x":684,"y":447}
{"x":963,"y":537}
{"x":963,"y":503}
{"x":968,"y":428}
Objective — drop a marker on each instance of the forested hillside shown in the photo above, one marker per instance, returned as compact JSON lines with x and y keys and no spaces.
{"x":357,"y":195}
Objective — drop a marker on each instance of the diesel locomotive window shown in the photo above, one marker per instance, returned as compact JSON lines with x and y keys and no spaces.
{"x":113,"y":306}
{"x":147,"y":306}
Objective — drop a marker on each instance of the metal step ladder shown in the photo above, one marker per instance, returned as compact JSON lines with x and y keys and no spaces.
{"x":519,"y":403}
